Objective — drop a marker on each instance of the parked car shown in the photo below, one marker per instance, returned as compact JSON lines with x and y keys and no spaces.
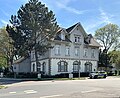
{"x":99,"y":74}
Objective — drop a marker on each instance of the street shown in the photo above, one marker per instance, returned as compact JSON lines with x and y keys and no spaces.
{"x":89,"y":88}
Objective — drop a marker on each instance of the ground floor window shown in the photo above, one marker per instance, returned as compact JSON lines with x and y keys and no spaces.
{"x":76,"y":66}
{"x":44,"y":67}
{"x":39,"y":67}
{"x":62,"y":66}
{"x":33,"y":67}
{"x":88,"y":67}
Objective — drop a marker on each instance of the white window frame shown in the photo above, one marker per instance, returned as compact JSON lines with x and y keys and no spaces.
{"x":93,"y":53}
{"x":57,"y":50}
{"x":76,"y":51}
{"x":85,"y":52}
{"x":67,"y":50}
{"x":77,"y":39}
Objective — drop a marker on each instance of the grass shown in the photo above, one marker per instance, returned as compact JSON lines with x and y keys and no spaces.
{"x":45,"y":79}
{"x":1,"y":87}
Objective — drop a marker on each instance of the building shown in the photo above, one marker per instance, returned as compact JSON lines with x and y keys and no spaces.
{"x":72,"y":49}
{"x":22,"y":65}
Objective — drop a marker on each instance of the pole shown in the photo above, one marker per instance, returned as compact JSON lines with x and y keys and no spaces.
{"x":79,"y":70}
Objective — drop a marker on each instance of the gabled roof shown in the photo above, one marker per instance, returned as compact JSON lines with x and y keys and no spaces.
{"x":89,"y":40}
{"x":58,"y":38}
{"x":93,"y":42}
{"x":71,"y":28}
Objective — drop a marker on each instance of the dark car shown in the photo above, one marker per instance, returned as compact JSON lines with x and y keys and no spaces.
{"x":99,"y":74}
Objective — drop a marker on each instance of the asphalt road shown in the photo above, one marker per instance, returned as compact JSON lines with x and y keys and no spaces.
{"x":90,"y":88}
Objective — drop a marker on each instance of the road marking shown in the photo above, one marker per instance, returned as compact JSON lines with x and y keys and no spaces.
{"x":88,"y":91}
{"x":51,"y":96}
{"x":30,"y":91}
{"x":12,"y":92}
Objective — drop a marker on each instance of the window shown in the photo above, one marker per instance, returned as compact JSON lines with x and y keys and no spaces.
{"x":85,"y":52}
{"x":33,"y":55}
{"x":43,"y":66}
{"x":39,"y":67}
{"x":33,"y":65}
{"x":76,"y":65}
{"x":93,"y":53}
{"x":77,"y":39}
{"x":67,"y":50}
{"x":76,"y":51}
{"x":62,"y":66}
{"x":57,"y":49}
{"x":88,"y":67}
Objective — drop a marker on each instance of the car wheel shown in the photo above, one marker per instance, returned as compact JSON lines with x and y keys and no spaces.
{"x":104,"y":76}
{"x":95,"y":77}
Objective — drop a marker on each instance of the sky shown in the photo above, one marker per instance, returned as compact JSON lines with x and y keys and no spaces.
{"x":92,"y":14}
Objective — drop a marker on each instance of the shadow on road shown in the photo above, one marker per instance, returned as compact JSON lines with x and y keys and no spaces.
{"x":6,"y":81}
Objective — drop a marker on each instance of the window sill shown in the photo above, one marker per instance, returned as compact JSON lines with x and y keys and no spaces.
{"x":62,"y":71}
{"x":67,"y":55}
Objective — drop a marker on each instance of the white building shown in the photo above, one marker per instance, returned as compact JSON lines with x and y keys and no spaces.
{"x":71,"y":47}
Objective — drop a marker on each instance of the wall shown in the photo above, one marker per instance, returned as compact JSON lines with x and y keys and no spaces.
{"x":54,"y":66}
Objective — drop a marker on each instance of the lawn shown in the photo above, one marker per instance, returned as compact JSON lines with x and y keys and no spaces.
{"x":2,"y":87}
{"x":44,"y":79}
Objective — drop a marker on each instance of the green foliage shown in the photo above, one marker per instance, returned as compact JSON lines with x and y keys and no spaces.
{"x":115,"y":58}
{"x":5,"y":47}
{"x":32,"y":29}
{"x":103,"y":59}
{"x":108,"y":36}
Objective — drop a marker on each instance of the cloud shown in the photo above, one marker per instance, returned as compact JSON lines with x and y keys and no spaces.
{"x":70,"y":9}
{"x":64,"y":5}
{"x":104,"y":16}
{"x":103,"y":19}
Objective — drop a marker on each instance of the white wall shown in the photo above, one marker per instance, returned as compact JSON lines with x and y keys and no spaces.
{"x":54,"y":66}
{"x":41,"y":61}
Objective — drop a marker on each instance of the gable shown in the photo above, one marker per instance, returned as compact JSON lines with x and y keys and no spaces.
{"x":77,"y":27}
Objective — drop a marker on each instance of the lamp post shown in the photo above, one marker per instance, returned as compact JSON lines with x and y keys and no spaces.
{"x":79,"y":63}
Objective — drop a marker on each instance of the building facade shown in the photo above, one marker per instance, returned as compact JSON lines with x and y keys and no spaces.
{"x":73,"y":50}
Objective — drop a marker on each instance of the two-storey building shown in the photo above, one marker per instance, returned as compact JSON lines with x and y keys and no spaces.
{"x":72,"y":49}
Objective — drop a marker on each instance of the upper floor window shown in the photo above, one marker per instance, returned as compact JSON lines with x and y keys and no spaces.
{"x":57,"y":49}
{"x":67,"y":50}
{"x":76,"y":51}
{"x":77,"y":39}
{"x":85,"y":52}
{"x":93,"y":53}
{"x":33,"y":55}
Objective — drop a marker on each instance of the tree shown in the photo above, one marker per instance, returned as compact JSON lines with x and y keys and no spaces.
{"x":108,"y":36}
{"x":5,"y":48}
{"x":115,"y":58}
{"x":32,"y":28}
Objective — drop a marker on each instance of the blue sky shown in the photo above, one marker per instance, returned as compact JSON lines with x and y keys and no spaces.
{"x":92,"y":14}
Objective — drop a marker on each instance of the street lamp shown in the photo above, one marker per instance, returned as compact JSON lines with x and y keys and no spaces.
{"x":79,"y":63}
